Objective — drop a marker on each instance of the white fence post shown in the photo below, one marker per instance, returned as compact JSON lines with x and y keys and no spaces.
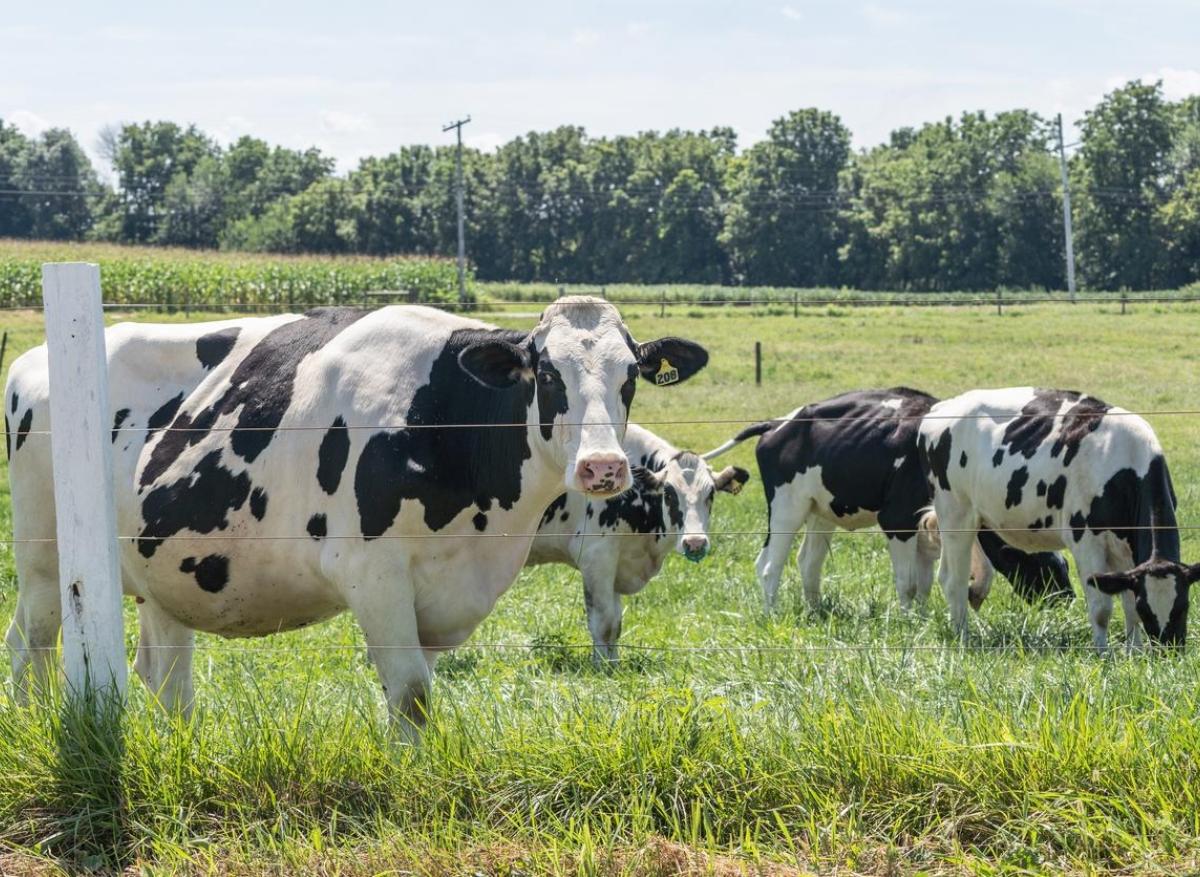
{"x":88,"y":566}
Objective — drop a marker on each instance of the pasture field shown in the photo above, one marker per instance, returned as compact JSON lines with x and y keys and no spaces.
{"x":854,"y":740}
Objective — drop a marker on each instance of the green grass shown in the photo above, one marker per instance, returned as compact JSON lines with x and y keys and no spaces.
{"x":865,"y":740}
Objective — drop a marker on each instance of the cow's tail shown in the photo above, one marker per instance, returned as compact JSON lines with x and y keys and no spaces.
{"x":749,"y":432}
{"x":929,"y":540}
{"x":1158,"y":529}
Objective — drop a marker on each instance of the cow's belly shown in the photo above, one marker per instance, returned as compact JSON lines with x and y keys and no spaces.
{"x":640,"y":560}
{"x":254,"y":588}
{"x":458,"y":586}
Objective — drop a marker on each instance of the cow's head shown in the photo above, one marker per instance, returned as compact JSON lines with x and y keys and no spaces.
{"x":686,"y":486}
{"x":1161,"y":589}
{"x":584,"y":368}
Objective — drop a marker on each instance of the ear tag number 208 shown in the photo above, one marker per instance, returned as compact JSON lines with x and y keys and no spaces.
{"x":666,"y":374}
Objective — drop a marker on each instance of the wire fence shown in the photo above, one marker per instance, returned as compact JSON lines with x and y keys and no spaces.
{"x":795,"y":301}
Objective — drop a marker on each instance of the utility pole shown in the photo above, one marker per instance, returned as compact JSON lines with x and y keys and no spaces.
{"x":1066,"y":200}
{"x":458,"y":185}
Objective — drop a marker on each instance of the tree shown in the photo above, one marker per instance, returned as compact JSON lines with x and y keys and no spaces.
{"x":1123,"y":168}
{"x":149,"y":157}
{"x":781,"y":226}
{"x":14,"y":214}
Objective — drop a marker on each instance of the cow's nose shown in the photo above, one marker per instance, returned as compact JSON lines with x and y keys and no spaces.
{"x":695,"y":547}
{"x":602,"y":474}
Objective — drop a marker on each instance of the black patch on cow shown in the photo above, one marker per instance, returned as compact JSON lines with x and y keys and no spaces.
{"x":962,"y":460}
{"x":1040,"y":574}
{"x":480,"y":521}
{"x":317,"y":526}
{"x":200,"y":501}
{"x":162,"y":417}
{"x":639,"y":508}
{"x":118,"y":419}
{"x":939,"y":459}
{"x":1056,"y":493}
{"x":259,"y":390}
{"x":1026,"y":433}
{"x":997,"y":458}
{"x":559,"y":505}
{"x":1016,"y":483}
{"x":674,"y":512}
{"x":1041,"y":487}
{"x":23,"y":429}
{"x":1147,"y":502}
{"x":16,"y":401}
{"x":258,"y":503}
{"x":448,"y":469}
{"x":332,"y":456}
{"x":589,"y":512}
{"x":212,"y":348}
{"x":212,"y":572}
{"x":7,"y":439}
{"x":551,"y":396}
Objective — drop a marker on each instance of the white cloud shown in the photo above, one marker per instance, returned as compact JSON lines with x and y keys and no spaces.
{"x":485,"y":141}
{"x":585,"y":36}
{"x":338,"y":122}
{"x":883,"y":16}
{"x":29,"y":122}
{"x":1177,"y":83}
{"x":791,"y":12}
{"x":638,"y":30}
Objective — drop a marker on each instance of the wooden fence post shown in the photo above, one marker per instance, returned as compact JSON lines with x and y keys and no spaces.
{"x":88,"y":566}
{"x":999,"y":304}
{"x":795,"y":302}
{"x":758,"y":363}
{"x":1123,"y":298}
{"x":662,"y":303}
{"x":3,"y":347}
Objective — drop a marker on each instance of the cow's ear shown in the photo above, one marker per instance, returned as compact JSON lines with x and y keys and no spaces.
{"x":731,"y":479}
{"x":648,"y":479}
{"x":1191,"y":574}
{"x":496,"y":364}
{"x":670,"y":360}
{"x":1115,"y":582}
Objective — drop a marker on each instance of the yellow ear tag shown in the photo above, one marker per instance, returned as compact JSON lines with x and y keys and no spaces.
{"x":667,"y":374}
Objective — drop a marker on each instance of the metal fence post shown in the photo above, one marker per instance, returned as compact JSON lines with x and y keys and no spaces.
{"x":758,"y":363}
{"x":999,"y":305}
{"x":88,"y":565}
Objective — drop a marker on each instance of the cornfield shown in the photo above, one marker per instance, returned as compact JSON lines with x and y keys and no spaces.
{"x":182,"y":279}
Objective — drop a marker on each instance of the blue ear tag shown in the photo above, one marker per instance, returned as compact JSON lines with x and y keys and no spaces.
{"x":666,"y":374}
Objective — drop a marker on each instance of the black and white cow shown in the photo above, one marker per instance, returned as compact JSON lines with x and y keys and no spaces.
{"x":619,"y":544}
{"x":411,"y":523}
{"x":851,"y":462}
{"x":1051,"y":469}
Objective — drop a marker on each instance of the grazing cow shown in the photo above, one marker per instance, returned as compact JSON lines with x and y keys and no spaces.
{"x":1051,"y":469}
{"x":387,"y":509}
{"x":851,"y":462}
{"x":619,"y":544}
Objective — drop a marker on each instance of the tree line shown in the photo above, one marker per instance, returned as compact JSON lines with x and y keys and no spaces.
{"x":971,"y":203}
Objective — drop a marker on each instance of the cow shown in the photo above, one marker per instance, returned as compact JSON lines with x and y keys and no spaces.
{"x":276,"y":471}
{"x":619,"y":544}
{"x":851,"y":462}
{"x":1051,"y":469}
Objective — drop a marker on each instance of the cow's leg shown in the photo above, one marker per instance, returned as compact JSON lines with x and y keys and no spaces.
{"x":603,"y":604}
{"x":958,"y":527}
{"x":1089,"y":561}
{"x":927,"y":556}
{"x":164,"y":657}
{"x":33,"y":634}
{"x":811,"y":559}
{"x":784,"y":522}
{"x":1118,"y":560}
{"x":385,"y":608}
{"x":906,"y":569}
{"x":982,"y":574}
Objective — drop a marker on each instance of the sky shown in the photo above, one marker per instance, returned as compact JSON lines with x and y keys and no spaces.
{"x":362,"y":77}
